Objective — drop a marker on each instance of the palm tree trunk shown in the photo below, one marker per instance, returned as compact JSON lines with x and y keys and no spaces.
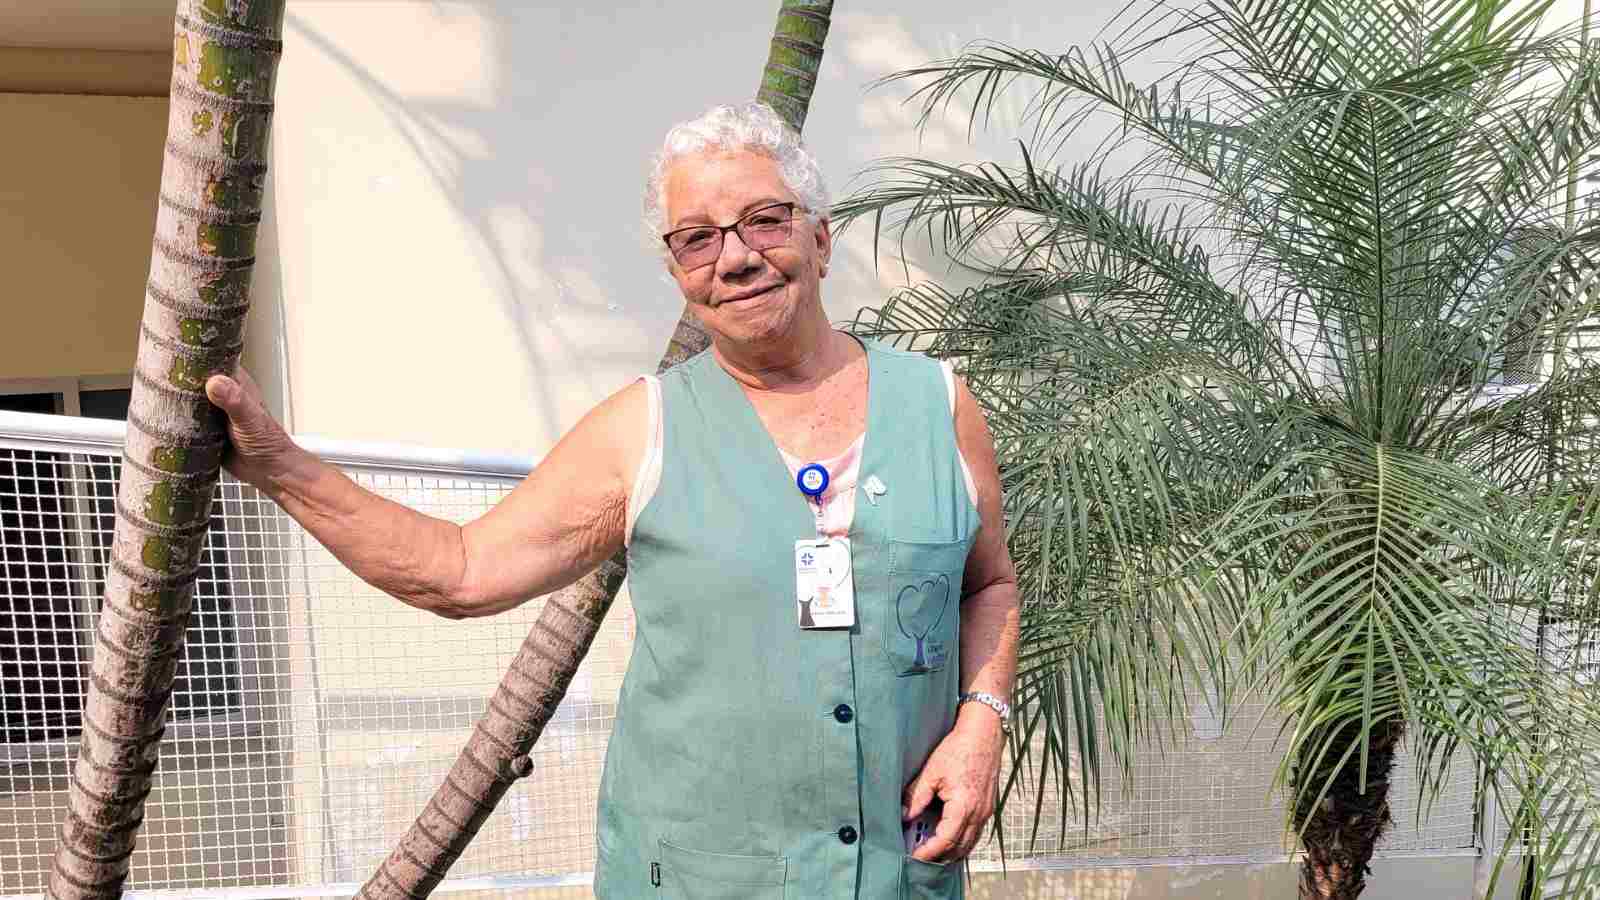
{"x":791,"y":71}
{"x":496,"y":754}
{"x":225,"y":57}
{"x":1340,"y":833}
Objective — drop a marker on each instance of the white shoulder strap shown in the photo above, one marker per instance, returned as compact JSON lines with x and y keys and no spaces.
{"x":950,"y":385}
{"x":649,"y":476}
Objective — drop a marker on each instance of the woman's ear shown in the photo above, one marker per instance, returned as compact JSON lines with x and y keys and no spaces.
{"x":824,"y":235}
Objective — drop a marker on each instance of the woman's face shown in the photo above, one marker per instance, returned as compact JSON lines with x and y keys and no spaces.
{"x":745,"y":296}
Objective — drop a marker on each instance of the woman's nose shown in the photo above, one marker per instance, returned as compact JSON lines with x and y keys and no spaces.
{"x":736,"y":255}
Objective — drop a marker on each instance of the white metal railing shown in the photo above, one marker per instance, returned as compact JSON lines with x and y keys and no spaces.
{"x":71,"y":434}
{"x":314,"y":716}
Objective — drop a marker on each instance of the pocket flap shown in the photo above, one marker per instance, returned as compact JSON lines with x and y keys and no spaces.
{"x":724,"y":868}
{"x":921,"y":557}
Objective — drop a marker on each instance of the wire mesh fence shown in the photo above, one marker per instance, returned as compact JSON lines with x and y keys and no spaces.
{"x":1211,"y":799}
{"x":313,"y":716}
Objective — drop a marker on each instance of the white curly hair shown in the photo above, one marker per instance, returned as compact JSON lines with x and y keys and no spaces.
{"x":750,"y":126}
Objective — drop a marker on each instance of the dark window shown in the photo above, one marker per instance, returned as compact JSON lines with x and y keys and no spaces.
{"x":110,"y":404}
{"x":40,"y":693}
{"x":48,"y":511}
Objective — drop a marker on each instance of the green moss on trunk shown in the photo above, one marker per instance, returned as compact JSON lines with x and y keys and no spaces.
{"x":790,"y":75}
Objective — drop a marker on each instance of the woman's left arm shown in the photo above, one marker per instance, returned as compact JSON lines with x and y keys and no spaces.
{"x":964,"y":768}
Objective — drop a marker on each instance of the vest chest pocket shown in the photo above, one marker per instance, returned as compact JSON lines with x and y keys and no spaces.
{"x":921,"y":618}
{"x":698,"y":875}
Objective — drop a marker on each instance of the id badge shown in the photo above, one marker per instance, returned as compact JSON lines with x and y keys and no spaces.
{"x":825,"y":588}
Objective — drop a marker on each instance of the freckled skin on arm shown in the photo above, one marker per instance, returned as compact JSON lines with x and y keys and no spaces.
{"x":990,"y":617}
{"x":564,"y":519}
{"x":963,"y":769}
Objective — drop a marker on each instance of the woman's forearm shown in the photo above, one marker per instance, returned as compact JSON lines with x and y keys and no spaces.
{"x":990,"y":626}
{"x":413,"y":557}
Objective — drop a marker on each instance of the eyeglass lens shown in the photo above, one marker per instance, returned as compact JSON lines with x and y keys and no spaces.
{"x":763,"y":229}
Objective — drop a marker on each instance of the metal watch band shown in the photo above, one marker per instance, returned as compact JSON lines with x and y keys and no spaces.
{"x":991,"y":701}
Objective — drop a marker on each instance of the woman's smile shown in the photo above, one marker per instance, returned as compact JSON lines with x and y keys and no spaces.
{"x":746,"y":300}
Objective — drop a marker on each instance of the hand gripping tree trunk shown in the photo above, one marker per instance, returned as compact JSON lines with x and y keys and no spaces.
{"x":497,"y":753}
{"x":225,"y":56}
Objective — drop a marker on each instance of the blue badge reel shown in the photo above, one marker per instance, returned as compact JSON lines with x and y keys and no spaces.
{"x":812,"y":480}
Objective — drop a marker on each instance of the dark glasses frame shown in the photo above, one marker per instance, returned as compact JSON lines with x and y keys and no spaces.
{"x":757,"y":237}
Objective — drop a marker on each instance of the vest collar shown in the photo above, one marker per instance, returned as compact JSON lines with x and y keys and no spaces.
{"x":748,"y":437}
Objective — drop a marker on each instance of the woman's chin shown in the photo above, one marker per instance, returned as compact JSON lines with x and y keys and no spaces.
{"x":758,"y":330}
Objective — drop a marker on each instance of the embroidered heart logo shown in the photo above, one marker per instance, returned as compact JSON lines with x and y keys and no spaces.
{"x":918,"y":609}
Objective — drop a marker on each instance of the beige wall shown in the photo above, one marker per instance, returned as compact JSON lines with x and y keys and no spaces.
{"x":121,"y":73}
{"x":456,"y":193}
{"x":456,"y":185}
{"x":78,"y":182}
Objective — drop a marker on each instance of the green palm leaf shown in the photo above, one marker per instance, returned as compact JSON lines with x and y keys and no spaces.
{"x":1265,"y":375}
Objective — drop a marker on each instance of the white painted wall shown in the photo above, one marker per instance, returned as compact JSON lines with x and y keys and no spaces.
{"x":456,"y":192}
{"x":456,"y":185}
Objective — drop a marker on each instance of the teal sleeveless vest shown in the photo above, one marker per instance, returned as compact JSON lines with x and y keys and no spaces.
{"x":751,"y":759}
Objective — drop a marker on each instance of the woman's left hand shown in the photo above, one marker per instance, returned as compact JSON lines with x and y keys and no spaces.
{"x":962,"y":772}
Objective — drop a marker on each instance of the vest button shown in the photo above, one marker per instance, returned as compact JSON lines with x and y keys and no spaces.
{"x":847,"y":835}
{"x":843,"y":713}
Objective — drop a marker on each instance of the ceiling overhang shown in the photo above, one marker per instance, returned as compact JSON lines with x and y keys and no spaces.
{"x":127,"y":25}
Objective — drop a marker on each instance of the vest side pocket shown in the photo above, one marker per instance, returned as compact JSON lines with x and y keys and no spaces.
{"x":924,"y":604}
{"x":699,"y":875}
{"x":929,"y":881}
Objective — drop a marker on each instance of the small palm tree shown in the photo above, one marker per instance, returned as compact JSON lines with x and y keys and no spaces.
{"x":1272,"y":402}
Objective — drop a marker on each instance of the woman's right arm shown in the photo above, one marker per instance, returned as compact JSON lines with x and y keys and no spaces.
{"x":564,"y":519}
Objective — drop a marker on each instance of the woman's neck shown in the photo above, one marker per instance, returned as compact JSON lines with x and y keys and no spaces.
{"x":808,"y":355}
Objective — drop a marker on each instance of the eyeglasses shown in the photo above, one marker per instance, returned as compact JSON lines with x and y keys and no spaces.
{"x":762,"y":229}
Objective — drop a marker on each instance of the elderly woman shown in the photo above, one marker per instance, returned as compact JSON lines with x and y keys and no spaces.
{"x":827,"y":615}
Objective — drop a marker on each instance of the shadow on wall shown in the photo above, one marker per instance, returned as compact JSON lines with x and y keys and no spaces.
{"x":887,"y":123}
{"x":530,"y":128}
{"x":447,"y":81}
{"x":500,"y":148}
{"x":886,"y":120}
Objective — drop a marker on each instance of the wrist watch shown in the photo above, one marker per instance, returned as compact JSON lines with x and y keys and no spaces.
{"x":991,"y":701}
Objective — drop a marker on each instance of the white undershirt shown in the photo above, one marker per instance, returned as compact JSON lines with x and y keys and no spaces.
{"x":837,"y":507}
